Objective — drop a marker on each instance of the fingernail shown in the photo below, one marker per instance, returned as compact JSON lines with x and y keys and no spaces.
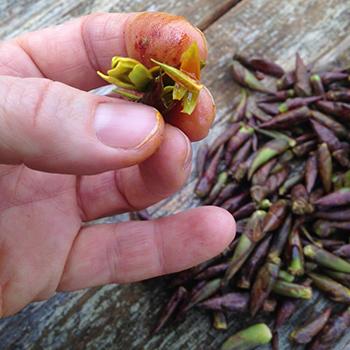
{"x":125,"y":125}
{"x":188,"y":157}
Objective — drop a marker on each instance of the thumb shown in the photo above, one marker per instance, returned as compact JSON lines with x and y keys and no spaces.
{"x":53,"y":127}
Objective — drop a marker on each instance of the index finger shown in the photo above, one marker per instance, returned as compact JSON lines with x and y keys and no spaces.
{"x":72,"y":53}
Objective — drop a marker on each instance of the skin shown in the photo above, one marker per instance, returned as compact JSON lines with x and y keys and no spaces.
{"x":56,"y":175}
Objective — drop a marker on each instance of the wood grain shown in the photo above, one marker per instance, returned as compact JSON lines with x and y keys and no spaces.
{"x":21,"y":16}
{"x":120,"y":317}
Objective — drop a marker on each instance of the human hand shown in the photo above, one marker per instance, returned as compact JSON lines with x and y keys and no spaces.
{"x":69,"y":156}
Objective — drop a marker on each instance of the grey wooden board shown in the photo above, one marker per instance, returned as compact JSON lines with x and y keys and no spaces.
{"x":120,"y":317}
{"x":20,"y":16}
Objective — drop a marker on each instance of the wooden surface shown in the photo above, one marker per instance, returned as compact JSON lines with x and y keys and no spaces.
{"x":120,"y":317}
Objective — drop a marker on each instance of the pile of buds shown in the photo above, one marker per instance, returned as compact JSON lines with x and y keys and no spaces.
{"x":282,"y":168}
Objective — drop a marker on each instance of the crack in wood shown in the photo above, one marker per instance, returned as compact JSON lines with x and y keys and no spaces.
{"x":208,"y":20}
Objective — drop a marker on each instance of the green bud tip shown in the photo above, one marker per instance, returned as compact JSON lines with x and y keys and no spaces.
{"x":309,"y":251}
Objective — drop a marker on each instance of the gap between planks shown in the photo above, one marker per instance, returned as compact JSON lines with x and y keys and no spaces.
{"x":208,"y":20}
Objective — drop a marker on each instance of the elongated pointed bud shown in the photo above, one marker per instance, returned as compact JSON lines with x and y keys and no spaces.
{"x":333,"y":289}
{"x":337,"y":325}
{"x":247,"y":79}
{"x":211,"y":272}
{"x":243,"y":134}
{"x":270,"y":150}
{"x":207,"y":290}
{"x":326,"y":259}
{"x":317,"y":84}
{"x":306,"y":332}
{"x":233,"y":302}
{"x":201,"y":159}
{"x":331,"y":77}
{"x":252,"y":234}
{"x":260,"y":64}
{"x":241,"y":108}
{"x":337,"y":109}
{"x":302,"y":84}
{"x":275,"y":216}
{"x":326,"y":135}
{"x":249,"y":338}
{"x":169,"y":309}
{"x":292,"y":290}
{"x":329,"y":122}
{"x":325,"y":166}
{"x":296,"y":255}
{"x":311,"y":172}
{"x":287,"y":119}
{"x":220,"y":183}
{"x":287,"y":308}
{"x":254,"y":262}
{"x":224,"y":137}
{"x":341,"y":277}
{"x":264,"y":282}
{"x":335,"y":199}
{"x":205,"y":183}
{"x":338,"y":96}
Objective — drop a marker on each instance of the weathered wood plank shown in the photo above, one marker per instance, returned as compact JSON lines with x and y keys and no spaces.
{"x":120,"y":317}
{"x":21,"y":16}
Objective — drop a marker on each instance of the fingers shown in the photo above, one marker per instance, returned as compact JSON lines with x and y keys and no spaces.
{"x":197,"y":125}
{"x":134,"y":251}
{"x":72,"y":53}
{"x":162,"y":37}
{"x":140,"y":186}
{"x":52,"y":127}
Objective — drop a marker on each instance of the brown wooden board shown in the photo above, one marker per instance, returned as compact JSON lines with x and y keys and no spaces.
{"x":120,"y":317}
